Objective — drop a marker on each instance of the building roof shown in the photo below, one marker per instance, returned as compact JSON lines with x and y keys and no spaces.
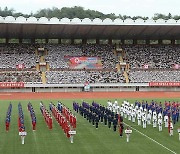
{"x":76,"y":28}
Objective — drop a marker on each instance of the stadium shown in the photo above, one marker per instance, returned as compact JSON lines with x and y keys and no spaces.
{"x":118,"y":60}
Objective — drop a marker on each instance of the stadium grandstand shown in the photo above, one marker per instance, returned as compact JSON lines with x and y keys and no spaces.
{"x":109,"y":55}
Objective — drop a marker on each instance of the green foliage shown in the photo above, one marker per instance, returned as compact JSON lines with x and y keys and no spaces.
{"x":79,"y":12}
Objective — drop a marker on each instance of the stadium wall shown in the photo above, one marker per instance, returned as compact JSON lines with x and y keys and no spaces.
{"x":93,"y":87}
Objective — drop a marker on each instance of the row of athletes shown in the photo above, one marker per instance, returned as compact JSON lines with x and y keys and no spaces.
{"x":61,"y":119}
{"x":20,"y":118}
{"x":96,"y":113}
{"x":67,"y":114}
{"x":8,"y":117}
{"x":46,"y":115}
{"x":129,"y":109}
{"x":146,"y":118}
{"x":33,"y":116}
{"x":170,"y":109}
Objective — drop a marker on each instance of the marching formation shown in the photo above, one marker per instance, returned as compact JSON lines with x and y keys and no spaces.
{"x":8,"y":117}
{"x":96,"y":112}
{"x":149,"y":113}
{"x":46,"y":115}
{"x":22,"y":131}
{"x":67,"y":114}
{"x":20,"y":118}
{"x":33,"y":116}
{"x":64,"y":117}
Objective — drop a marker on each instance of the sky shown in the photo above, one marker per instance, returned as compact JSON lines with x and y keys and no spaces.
{"x":124,"y":7}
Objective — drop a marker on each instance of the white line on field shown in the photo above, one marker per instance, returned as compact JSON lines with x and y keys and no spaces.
{"x":151,"y":139}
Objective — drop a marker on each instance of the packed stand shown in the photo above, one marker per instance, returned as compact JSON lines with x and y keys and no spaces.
{"x":155,"y":56}
{"x":58,"y":54}
{"x":20,"y":76}
{"x":76,"y":77}
{"x":108,"y":58}
{"x":12,"y":55}
{"x":140,"y":76}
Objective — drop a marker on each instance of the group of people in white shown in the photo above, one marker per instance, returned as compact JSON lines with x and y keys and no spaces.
{"x":142,"y":116}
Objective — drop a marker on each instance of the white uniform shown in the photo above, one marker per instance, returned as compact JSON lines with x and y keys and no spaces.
{"x":129,"y":114}
{"x":125,"y":111}
{"x":154,"y":119}
{"x":179,"y":133}
{"x":114,"y":107}
{"x":148,"y":118}
{"x":116,"y":102}
{"x":160,"y":122}
{"x":166,"y":121}
{"x":133,"y":115}
{"x":139,"y":117}
{"x":136,"y":109}
{"x":144,"y":119}
{"x":171,"y":129}
{"x":127,"y":131}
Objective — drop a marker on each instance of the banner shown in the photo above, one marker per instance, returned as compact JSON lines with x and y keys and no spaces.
{"x":20,"y":66}
{"x":85,"y":62}
{"x":11,"y":84}
{"x":164,"y":84}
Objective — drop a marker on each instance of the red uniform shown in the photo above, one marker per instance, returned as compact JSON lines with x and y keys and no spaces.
{"x":34,"y":125}
{"x":50,"y":122}
{"x":67,"y":131}
{"x":7,"y":126}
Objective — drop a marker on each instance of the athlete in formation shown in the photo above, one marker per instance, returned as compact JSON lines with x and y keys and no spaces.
{"x":65,"y":118}
{"x":33,"y":116}
{"x":46,"y":115}
{"x":8,"y":117}
{"x":149,"y":113}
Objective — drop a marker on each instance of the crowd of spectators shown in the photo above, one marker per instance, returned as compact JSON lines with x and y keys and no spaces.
{"x":104,"y":51}
{"x":155,"y":56}
{"x":58,"y":54}
{"x":159,"y":58}
{"x":12,"y":55}
{"x":142,"y":76}
{"x":72,"y":77}
{"x":20,"y":76}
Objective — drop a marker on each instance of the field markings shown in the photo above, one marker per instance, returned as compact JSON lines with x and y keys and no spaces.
{"x":151,"y":139}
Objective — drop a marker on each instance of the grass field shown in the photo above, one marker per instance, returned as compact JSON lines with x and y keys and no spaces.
{"x":88,"y":140}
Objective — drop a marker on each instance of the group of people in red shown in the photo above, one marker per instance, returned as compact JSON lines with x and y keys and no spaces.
{"x":33,"y":116}
{"x":64,"y":117}
{"x":46,"y":115}
{"x":20,"y":118}
{"x":69,"y":116}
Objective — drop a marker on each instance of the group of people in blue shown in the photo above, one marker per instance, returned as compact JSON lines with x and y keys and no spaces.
{"x":20,"y":118}
{"x":171,"y":109}
{"x":97,"y":112}
{"x":33,"y":116}
{"x":8,"y":117}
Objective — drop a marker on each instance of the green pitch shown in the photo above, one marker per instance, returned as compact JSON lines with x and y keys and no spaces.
{"x":88,"y":140}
